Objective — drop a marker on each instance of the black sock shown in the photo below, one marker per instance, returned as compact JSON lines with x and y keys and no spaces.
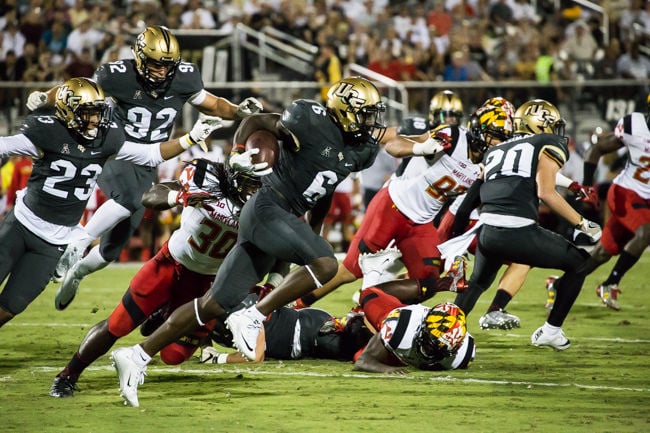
{"x":623,"y":264}
{"x":74,"y":368}
{"x":500,"y":301}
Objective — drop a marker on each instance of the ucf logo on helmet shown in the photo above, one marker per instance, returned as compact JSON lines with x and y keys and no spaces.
{"x":346,"y":92}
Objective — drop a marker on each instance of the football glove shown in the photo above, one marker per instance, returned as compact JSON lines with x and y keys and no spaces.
{"x":586,"y":232}
{"x":585,"y":194}
{"x":194,"y":199}
{"x":248,"y":106}
{"x":242,"y":162}
{"x":36,"y":100}
{"x":435,"y":143}
{"x":203,"y":127}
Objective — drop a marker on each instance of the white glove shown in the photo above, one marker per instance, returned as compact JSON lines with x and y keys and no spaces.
{"x":243,"y":162}
{"x":586,"y":232}
{"x":248,"y":106}
{"x":36,"y":100}
{"x":430,"y":146}
{"x":203,"y":127}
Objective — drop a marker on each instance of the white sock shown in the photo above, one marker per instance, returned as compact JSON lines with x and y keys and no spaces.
{"x":140,"y":357}
{"x":550,"y":329}
{"x":256,"y":313}
{"x":105,"y":218}
{"x":89,"y":264}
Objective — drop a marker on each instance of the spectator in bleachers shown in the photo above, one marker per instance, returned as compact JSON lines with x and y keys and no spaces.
{"x":83,"y":66}
{"x":44,"y":70}
{"x":78,"y":13}
{"x":55,"y":40}
{"x":328,"y":69}
{"x":439,"y":18}
{"x":119,"y":49}
{"x":632,"y":64}
{"x":579,"y":48}
{"x":197,"y":16}
{"x":85,"y":36}
{"x":524,"y":10}
{"x":11,"y":39}
{"x":383,"y":62}
{"x":32,"y":26}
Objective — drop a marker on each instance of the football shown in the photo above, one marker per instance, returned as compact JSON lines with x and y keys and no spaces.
{"x":268,"y":145}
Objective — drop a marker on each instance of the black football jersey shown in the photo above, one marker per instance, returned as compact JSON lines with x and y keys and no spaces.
{"x":322,"y":160}
{"x":413,"y":126}
{"x":63,"y":179}
{"x":147,"y":119}
{"x":509,"y":186}
{"x":281,"y":326}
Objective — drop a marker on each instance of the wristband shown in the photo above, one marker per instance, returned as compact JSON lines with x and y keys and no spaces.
{"x":186,"y":141}
{"x":222,"y":358}
{"x":239,"y":148}
{"x":172,"y":198}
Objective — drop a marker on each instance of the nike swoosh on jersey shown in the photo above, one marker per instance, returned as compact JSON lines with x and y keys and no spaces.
{"x":168,"y":97}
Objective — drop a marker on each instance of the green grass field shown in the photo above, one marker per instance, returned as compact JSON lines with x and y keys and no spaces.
{"x":600,"y":384}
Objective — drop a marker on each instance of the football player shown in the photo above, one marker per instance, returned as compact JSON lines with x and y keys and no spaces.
{"x":526,"y":166}
{"x":404,"y":210}
{"x":296,"y":334}
{"x":321,"y":145}
{"x":183,"y":269}
{"x":627,"y":231}
{"x":433,"y":338}
{"x":149,"y":92}
{"x":70,"y":150}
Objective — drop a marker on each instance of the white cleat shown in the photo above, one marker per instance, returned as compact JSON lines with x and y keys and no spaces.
{"x":557,"y":341}
{"x":129,"y":373}
{"x":69,"y":258}
{"x":380,"y":267}
{"x":245,"y":328}
{"x":499,"y":319}
{"x":68,"y":290}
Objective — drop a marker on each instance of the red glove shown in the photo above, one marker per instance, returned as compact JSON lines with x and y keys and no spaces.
{"x":194,"y":199}
{"x":586,"y":194}
{"x":443,"y":139}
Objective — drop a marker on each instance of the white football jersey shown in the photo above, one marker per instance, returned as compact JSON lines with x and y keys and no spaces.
{"x":205,"y":235}
{"x":421,"y":197}
{"x":398,"y":333}
{"x":633,"y":131}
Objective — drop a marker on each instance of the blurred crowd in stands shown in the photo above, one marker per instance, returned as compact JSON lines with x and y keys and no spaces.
{"x":431,"y":40}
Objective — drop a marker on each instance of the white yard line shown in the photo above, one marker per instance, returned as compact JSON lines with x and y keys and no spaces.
{"x":414,"y":376}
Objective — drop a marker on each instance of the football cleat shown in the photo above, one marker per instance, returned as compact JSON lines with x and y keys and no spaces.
{"x":62,"y":387}
{"x":129,"y":373}
{"x":557,"y":341}
{"x":550,"y":292}
{"x":380,"y":267}
{"x":68,"y":290}
{"x":498,"y":319}
{"x":245,"y":329}
{"x":70,"y":257}
{"x":209,"y":355}
{"x":609,"y":295}
{"x":457,"y":272}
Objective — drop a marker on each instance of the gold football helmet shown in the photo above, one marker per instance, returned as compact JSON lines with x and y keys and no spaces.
{"x":81,"y":105}
{"x":355,"y":105}
{"x":445,"y":107}
{"x":537,"y":117}
{"x":156,"y":47}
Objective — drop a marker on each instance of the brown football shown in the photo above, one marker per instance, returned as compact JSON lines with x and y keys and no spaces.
{"x":268,"y":145}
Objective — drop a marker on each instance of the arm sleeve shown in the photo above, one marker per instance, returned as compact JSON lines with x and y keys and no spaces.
{"x":18,"y":145}
{"x":141,"y":154}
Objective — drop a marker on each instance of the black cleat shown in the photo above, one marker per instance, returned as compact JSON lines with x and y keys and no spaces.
{"x":62,"y":387}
